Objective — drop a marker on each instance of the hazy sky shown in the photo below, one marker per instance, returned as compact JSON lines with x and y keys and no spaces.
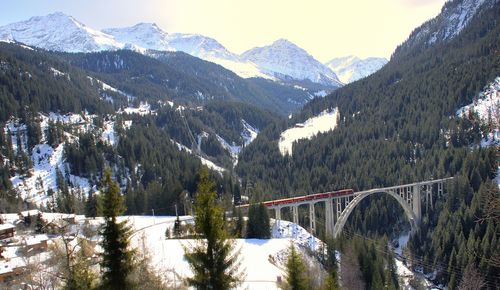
{"x":325,"y":28}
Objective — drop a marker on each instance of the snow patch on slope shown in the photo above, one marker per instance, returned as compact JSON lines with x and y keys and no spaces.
{"x":203,"y":160}
{"x":143,"y":109}
{"x":249,"y":133}
{"x":324,"y":122}
{"x":46,"y":161}
{"x":485,"y":109}
{"x":58,"y":73}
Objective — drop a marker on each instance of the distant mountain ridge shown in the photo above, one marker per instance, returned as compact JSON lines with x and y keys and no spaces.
{"x":283,"y":58}
{"x":60,"y":32}
{"x":352,"y":68}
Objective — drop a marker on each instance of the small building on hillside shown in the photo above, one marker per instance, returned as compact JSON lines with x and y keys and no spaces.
{"x":7,"y":231}
{"x":36,"y":244}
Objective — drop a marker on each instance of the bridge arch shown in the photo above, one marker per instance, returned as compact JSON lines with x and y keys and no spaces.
{"x":339,"y":225}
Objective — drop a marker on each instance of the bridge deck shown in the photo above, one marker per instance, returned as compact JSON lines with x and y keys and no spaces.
{"x":318,"y":197}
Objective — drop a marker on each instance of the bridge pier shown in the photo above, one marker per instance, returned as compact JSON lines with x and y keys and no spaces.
{"x":339,"y":208}
{"x":417,"y":203}
{"x":295,"y":214}
{"x":329,"y":222}
{"x":440,"y":190}
{"x":277,"y":211}
{"x":312,"y":218}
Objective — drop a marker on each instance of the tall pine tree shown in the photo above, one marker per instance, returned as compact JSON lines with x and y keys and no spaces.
{"x":117,"y":257}
{"x":258,"y":222}
{"x":213,"y":259}
{"x":295,"y":271}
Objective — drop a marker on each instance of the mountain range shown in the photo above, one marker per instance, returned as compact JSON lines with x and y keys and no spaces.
{"x":352,"y":68}
{"x":281,"y":61}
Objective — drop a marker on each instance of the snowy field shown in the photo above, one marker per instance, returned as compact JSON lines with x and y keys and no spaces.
{"x":263,"y":260}
{"x":324,"y":122}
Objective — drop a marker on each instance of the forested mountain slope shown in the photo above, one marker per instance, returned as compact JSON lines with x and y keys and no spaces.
{"x":62,"y":124}
{"x":400,"y":125}
{"x":391,"y":122}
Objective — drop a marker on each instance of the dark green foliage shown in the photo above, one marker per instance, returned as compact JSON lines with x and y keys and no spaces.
{"x":26,"y":81}
{"x":374,"y":258}
{"x":392,"y":123}
{"x":177,"y":228}
{"x":153,"y":156}
{"x":85,"y":156}
{"x":296,"y":278}
{"x":91,"y":205}
{"x":451,"y":237}
{"x":396,"y":127}
{"x":329,"y":261}
{"x":258,"y":226}
{"x":213,"y":259}
{"x":117,"y":257}
{"x":239,"y":224}
{"x":55,"y":134}
{"x":184,"y":78}
{"x":39,"y":224}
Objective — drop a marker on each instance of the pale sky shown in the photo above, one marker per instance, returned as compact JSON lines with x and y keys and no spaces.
{"x":324,"y":28}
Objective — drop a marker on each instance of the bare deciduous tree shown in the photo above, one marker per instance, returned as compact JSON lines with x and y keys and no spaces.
{"x":472,"y":279}
{"x":350,"y":273}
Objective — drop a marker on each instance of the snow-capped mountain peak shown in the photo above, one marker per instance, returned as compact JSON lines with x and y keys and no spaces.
{"x":145,"y":35}
{"x":283,"y":59}
{"x":200,"y":46}
{"x":352,"y":68}
{"x":59,"y":32}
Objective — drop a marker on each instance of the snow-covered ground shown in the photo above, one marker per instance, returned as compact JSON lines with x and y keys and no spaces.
{"x":105,"y":87}
{"x":486,"y":107}
{"x":262,"y":260}
{"x":58,"y":73}
{"x":402,"y":241}
{"x":324,"y":122}
{"x":203,"y":160}
{"x":46,"y":162}
{"x":248,"y":134}
{"x":143,"y":109}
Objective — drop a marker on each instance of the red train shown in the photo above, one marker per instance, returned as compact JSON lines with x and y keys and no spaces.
{"x":310,"y":197}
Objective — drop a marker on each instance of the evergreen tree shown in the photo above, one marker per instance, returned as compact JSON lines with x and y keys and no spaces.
{"x":238,"y":227}
{"x":295,"y":271}
{"x":91,"y":205}
{"x":330,"y":264}
{"x":213,"y":259}
{"x":177,"y":227}
{"x":117,"y":258}
{"x":258,"y":222}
